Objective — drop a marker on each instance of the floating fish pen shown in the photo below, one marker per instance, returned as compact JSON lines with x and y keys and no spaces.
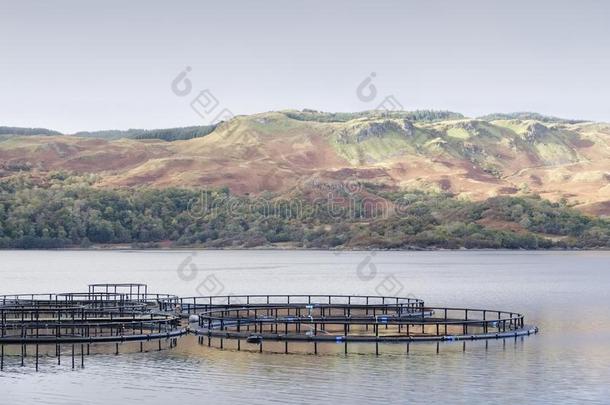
{"x":119,"y":318}
{"x":107,"y":318}
{"x":305,"y":321}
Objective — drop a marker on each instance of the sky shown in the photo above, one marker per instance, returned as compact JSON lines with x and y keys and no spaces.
{"x":87,"y":65}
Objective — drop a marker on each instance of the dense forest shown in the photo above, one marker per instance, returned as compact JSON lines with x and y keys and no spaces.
{"x":528,"y":116}
{"x":18,"y":131}
{"x":167,"y":134}
{"x":417,"y":115}
{"x":65,"y":210}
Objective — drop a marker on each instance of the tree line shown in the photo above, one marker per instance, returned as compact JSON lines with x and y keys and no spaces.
{"x":65,"y":210}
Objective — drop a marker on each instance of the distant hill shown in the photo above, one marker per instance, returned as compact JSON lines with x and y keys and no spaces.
{"x":165,"y":134}
{"x":528,"y":116}
{"x":434,"y":151}
{"x":168,"y":134}
{"x":418,"y":115}
{"x":17,"y":131}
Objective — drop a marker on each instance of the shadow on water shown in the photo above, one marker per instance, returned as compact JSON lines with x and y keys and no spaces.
{"x":564,"y":293}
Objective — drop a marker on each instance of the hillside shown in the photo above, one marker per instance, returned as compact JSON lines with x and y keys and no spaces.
{"x":166,"y":134}
{"x":18,"y":131}
{"x":61,"y":210}
{"x":500,"y":154}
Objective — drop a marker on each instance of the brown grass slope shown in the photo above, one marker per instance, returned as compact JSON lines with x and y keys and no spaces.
{"x":472,"y":158}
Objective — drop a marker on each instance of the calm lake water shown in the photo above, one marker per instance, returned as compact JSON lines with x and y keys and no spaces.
{"x":566,"y":294}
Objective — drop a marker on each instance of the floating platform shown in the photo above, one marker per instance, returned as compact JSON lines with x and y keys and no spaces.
{"x":121,"y":313}
{"x":105,"y":314}
{"x":315,"y":318}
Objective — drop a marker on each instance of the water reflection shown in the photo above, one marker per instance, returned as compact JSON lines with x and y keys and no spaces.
{"x":563,"y":293}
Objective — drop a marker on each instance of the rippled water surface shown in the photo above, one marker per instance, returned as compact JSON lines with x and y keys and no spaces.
{"x":565,"y":293}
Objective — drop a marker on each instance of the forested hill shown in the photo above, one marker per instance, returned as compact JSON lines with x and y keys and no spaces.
{"x":518,"y":180}
{"x":18,"y":131}
{"x":166,"y":134}
{"x":437,"y":151}
{"x":70,"y":211}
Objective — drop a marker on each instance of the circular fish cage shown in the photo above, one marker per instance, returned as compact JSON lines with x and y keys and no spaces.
{"x":113,"y":318}
{"x":105,"y":319}
{"x":315,"y":319}
{"x":197,"y":305}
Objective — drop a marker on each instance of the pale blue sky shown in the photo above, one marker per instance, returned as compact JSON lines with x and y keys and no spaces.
{"x":83,"y":65}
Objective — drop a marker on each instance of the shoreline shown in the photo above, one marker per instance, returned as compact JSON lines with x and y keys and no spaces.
{"x":119,"y":248}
